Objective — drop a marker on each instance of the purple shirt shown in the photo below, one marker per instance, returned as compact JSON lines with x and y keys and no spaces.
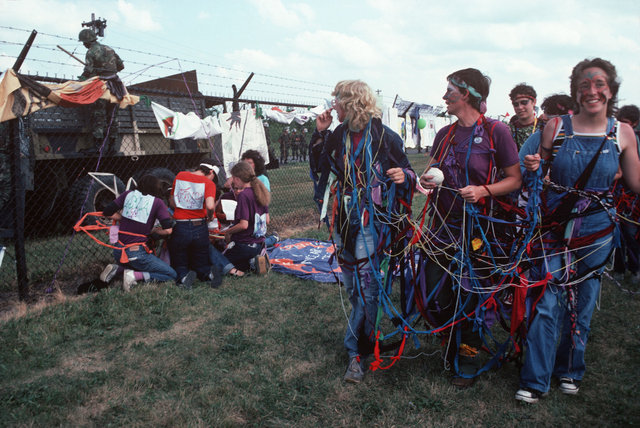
{"x":255,"y":214}
{"x":455,"y":169}
{"x":139,"y":214}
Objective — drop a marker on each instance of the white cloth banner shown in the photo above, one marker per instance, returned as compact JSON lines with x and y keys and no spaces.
{"x":241,"y":131}
{"x":176,"y":125}
{"x":277,"y":115}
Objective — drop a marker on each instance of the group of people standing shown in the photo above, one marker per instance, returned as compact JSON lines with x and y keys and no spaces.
{"x":198,"y":247}
{"x":566,"y":160}
{"x":293,"y":145}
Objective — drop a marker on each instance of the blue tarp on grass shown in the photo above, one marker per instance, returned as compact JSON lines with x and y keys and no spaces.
{"x":306,"y":259}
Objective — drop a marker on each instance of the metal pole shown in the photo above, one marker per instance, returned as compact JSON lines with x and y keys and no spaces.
{"x":25,"y":50}
{"x":18,"y":190}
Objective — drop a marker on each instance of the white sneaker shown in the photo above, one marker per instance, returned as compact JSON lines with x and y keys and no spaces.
{"x":108,"y":273}
{"x":128,"y":280}
{"x":569,"y":386}
{"x":529,"y":395}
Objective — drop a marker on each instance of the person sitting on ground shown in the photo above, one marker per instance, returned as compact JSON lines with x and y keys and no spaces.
{"x":250,"y":218}
{"x":137,"y":210}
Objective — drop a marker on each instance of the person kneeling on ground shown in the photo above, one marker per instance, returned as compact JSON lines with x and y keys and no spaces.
{"x":137,"y":210}
{"x":246,"y":235}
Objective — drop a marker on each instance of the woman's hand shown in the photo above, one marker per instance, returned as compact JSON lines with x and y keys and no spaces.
{"x":426,"y":182}
{"x":473,"y":193}
{"x":323,"y":121}
{"x":532,"y":162}
{"x":396,"y":175}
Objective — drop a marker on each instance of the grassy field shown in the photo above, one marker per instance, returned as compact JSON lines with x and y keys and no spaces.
{"x":267,"y":351}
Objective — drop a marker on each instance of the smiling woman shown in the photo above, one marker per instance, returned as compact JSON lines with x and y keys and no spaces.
{"x":586,"y":152}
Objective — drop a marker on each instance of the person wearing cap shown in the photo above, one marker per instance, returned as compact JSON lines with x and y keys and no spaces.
{"x":193,"y":200}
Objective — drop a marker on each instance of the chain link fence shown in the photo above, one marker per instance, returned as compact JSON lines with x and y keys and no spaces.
{"x":58,"y":165}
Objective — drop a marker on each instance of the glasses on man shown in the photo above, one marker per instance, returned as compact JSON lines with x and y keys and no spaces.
{"x":522,"y":102}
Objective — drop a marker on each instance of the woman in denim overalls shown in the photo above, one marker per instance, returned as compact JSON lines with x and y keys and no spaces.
{"x":577,"y":251}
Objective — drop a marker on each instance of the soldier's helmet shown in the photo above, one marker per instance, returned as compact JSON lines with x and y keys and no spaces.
{"x":87,"y":35}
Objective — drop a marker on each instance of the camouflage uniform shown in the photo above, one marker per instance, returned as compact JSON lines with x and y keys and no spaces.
{"x":102,"y":61}
{"x":284,"y":146}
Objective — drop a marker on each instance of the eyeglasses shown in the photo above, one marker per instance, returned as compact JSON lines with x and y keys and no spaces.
{"x":334,"y":103}
{"x":522,"y":102}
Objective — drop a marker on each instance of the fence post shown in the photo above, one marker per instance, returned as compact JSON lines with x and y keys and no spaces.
{"x":18,"y":195}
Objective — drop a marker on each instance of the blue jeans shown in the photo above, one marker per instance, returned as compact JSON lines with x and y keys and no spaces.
{"x":141,"y":261}
{"x":363,"y":298}
{"x":189,"y":249}
{"x":240,"y":255}
{"x":216,"y":258}
{"x":552,"y":320}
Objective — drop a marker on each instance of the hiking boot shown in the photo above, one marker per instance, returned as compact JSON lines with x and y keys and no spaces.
{"x":128,"y":280}
{"x":216,"y":276}
{"x":108,"y":273}
{"x":354,"y":373}
{"x":187,"y":281}
{"x":569,"y":386}
{"x":529,"y":395}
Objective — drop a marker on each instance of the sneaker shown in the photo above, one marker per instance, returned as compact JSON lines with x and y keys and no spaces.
{"x":128,"y":280}
{"x":354,"y":373}
{"x":187,"y":281}
{"x":216,"y":276}
{"x":529,"y":395}
{"x":108,"y":273}
{"x":262,"y":264}
{"x":569,"y":386}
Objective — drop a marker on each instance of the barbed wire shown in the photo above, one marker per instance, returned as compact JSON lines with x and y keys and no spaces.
{"x":119,"y":48}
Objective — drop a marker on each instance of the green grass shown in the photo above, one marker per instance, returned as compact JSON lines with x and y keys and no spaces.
{"x":267,"y":351}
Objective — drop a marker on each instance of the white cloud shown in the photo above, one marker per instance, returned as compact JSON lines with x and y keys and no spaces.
{"x":137,"y":18}
{"x":203,"y":15}
{"x":290,"y":16}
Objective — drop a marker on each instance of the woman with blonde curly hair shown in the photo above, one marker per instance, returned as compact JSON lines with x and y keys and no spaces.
{"x":250,"y":218}
{"x":373,"y":190}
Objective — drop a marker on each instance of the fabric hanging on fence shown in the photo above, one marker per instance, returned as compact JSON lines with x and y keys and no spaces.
{"x":20,"y":95}
{"x":286,"y":117}
{"x":306,"y":259}
{"x":241,"y":131}
{"x":176,"y":126}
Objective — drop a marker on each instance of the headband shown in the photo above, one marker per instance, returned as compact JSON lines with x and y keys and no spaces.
{"x":213,"y":167}
{"x":469,"y":88}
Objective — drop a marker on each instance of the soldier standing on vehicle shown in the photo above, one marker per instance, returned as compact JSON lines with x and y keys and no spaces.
{"x":102,"y":61}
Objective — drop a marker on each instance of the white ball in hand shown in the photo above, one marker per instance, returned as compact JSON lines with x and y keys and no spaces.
{"x":438,"y":176}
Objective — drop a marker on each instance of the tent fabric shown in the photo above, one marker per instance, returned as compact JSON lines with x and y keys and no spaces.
{"x":20,"y":95}
{"x":306,"y":259}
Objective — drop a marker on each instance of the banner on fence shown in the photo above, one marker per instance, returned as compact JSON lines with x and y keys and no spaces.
{"x":175,"y":125}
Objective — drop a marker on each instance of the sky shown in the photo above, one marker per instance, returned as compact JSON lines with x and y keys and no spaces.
{"x":299,"y":50}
